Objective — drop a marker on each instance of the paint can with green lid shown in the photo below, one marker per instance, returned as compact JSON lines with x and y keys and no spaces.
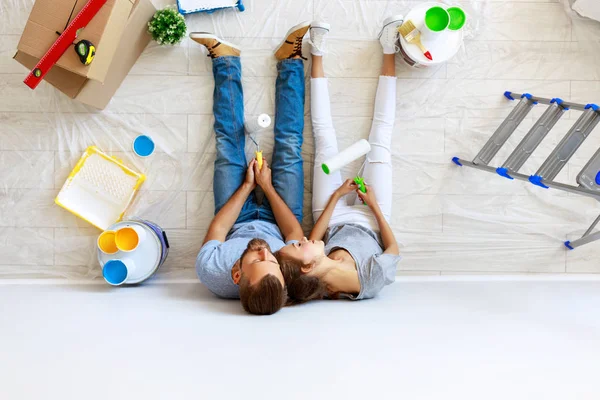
{"x":443,"y":44}
{"x":437,"y":20}
{"x":457,"y":18}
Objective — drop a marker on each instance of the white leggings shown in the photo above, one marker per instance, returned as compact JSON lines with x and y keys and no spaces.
{"x":378,"y":168}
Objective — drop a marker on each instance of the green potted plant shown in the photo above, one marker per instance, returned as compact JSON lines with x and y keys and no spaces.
{"x":167,"y":26}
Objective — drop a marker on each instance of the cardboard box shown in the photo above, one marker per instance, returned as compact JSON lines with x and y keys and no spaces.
{"x":119,"y":31}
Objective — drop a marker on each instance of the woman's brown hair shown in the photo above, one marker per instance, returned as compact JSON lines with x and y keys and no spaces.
{"x":300,"y":287}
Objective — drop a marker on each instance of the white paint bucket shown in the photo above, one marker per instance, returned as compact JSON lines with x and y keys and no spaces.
{"x":147,"y":257}
{"x":443,"y":46}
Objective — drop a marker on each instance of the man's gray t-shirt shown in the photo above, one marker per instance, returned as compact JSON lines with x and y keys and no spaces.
{"x":375,"y":269}
{"x":216,"y":259}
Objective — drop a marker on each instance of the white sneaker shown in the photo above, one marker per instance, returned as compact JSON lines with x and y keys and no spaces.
{"x":389,"y":34}
{"x":318,"y":32}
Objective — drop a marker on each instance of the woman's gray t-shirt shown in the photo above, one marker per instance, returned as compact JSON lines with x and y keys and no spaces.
{"x":375,"y":269}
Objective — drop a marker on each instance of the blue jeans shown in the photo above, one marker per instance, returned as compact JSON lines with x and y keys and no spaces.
{"x":287,"y":173}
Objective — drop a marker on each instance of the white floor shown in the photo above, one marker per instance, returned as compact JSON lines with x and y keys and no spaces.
{"x":421,"y":339}
{"x":448,"y":220}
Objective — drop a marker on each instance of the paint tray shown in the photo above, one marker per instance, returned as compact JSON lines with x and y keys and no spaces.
{"x":208,"y":6}
{"x":99,"y":189}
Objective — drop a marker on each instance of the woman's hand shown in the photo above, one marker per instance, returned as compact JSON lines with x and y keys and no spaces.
{"x":250,"y":181}
{"x":347,"y":187}
{"x":263,"y":175}
{"x":368,"y":198}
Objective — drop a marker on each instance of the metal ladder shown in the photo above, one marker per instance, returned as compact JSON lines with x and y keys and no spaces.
{"x":589,"y":177}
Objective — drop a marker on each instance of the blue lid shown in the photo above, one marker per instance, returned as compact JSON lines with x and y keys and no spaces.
{"x":456,"y":161}
{"x":503,"y":172}
{"x":143,"y":146}
{"x":537,"y":180}
{"x":114,"y":272}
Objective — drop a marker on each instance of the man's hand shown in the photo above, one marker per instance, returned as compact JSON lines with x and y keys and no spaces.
{"x":347,"y":187}
{"x":368,"y":198}
{"x":263,"y":175}
{"x":250,"y":180}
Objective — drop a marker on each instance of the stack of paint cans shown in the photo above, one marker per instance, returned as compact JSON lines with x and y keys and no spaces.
{"x":131,"y":251}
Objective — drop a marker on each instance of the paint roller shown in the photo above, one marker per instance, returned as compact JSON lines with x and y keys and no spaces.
{"x":346,"y":156}
{"x":263,"y":121}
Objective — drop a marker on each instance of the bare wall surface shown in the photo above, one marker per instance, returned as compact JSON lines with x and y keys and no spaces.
{"x":430,"y":338}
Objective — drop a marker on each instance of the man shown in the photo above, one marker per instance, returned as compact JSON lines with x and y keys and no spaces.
{"x":236,"y":258}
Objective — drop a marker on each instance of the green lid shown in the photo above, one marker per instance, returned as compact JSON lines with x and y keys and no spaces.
{"x":457,"y":18}
{"x":437,"y":19}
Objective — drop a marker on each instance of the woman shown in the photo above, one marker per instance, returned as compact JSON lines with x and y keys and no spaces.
{"x":359,"y":253}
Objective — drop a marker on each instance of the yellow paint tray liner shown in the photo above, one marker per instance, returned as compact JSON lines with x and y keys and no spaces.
{"x":99,"y":189}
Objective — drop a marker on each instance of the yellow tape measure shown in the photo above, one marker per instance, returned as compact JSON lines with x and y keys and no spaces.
{"x":86,"y":51}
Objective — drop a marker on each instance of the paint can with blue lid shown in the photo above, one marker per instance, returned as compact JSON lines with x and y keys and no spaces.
{"x":143,"y":146}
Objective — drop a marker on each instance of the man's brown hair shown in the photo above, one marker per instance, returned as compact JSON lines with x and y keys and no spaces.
{"x":266,"y":297}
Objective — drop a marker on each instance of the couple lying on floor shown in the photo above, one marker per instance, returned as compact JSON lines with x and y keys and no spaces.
{"x":258,"y":253}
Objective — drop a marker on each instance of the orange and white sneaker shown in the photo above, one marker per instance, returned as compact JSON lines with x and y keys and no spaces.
{"x":215,"y":46}
{"x":291,"y":47}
